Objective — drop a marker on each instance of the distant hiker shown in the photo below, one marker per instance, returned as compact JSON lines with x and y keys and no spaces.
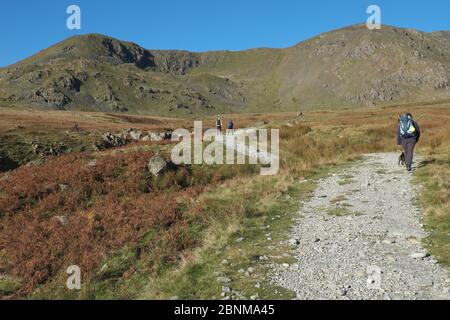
{"x":408,"y":135}
{"x":219,"y":124}
{"x":230,"y":127}
{"x":76,"y":127}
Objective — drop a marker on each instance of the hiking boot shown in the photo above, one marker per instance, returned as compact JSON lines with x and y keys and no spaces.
{"x":408,"y":168}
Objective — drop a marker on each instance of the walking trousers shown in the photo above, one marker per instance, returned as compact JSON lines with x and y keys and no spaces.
{"x":408,"y":146}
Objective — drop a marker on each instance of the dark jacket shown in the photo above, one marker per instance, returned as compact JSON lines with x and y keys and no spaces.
{"x":417,"y":136}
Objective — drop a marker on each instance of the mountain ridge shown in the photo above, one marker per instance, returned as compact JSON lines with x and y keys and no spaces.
{"x":347,"y":67}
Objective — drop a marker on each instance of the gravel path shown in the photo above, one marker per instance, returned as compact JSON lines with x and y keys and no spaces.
{"x":359,"y":237}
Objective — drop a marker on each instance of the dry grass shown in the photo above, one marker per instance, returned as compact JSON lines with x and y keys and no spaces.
{"x":434,"y":175}
{"x":11,"y":119}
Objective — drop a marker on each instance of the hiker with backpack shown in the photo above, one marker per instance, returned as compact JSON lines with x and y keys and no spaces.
{"x":408,"y":134}
{"x":219,"y":124}
{"x":230,"y":127}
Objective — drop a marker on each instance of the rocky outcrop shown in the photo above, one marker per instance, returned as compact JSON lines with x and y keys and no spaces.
{"x":138,"y":135}
{"x":47,"y":151}
{"x":379,"y":91}
{"x":68,"y":81}
{"x":37,"y":76}
{"x":128,"y":53}
{"x":178,"y":62}
{"x":111,"y":140}
{"x":155,"y":137}
{"x":52,"y":96}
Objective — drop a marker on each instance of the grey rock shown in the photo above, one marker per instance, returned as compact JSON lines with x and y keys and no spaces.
{"x":110,"y":140}
{"x":64,"y":187}
{"x":152,"y":136}
{"x":419,"y":255}
{"x":157,"y":165}
{"x":62,"y":219}
{"x":135,"y":134}
{"x":92,"y":163}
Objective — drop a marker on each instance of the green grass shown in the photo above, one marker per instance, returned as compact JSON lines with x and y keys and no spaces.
{"x":8,"y":286}
{"x":435,"y":201}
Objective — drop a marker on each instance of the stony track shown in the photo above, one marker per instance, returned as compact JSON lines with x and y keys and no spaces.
{"x":359,"y":237}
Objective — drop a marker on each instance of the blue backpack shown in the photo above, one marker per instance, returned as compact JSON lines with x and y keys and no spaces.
{"x":407,"y":129}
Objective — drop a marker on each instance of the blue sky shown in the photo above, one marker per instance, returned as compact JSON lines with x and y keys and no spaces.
{"x":200,"y":25}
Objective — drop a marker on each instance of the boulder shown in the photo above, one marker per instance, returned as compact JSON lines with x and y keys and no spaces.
{"x":419,"y":255}
{"x":111,"y":140}
{"x":64,"y":187}
{"x":157,"y":165}
{"x":133,"y":134}
{"x":166,"y":135}
{"x":152,"y":136}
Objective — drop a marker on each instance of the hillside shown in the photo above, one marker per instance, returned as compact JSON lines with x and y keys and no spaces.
{"x":350,"y":67}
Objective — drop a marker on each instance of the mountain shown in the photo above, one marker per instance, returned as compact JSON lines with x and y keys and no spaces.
{"x":349,"y":67}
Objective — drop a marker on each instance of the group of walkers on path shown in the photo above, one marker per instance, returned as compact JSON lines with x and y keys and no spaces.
{"x":230,"y":125}
{"x":408,"y":135}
